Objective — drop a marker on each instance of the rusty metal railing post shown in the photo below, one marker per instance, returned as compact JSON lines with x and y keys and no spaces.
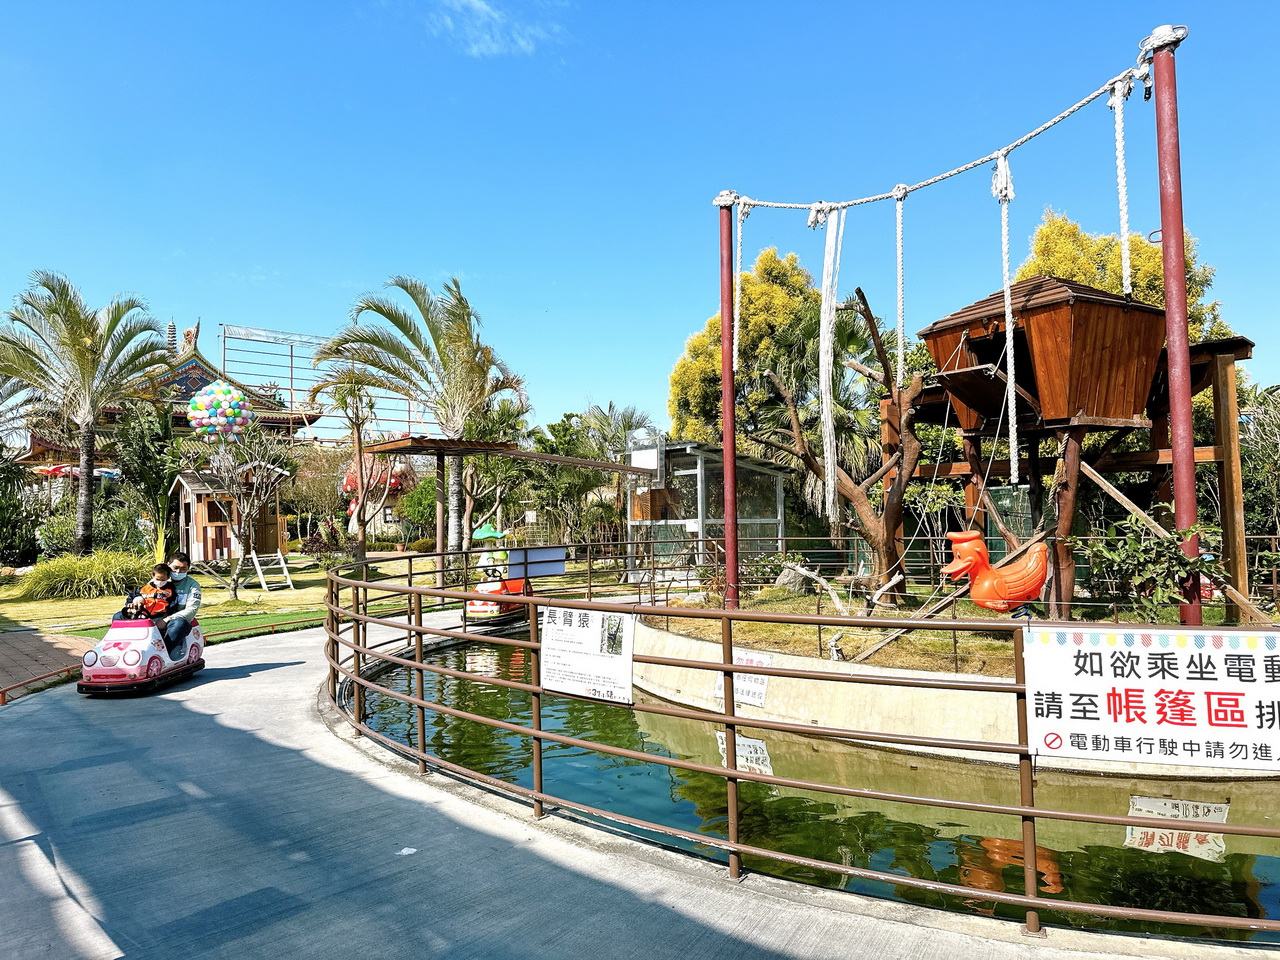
{"x":331,"y":627}
{"x":1026,"y":791}
{"x":359,"y":633}
{"x":588,"y":570}
{"x":416,"y":604}
{"x":730,"y":744}
{"x":535,"y":713}
{"x":653,"y":568}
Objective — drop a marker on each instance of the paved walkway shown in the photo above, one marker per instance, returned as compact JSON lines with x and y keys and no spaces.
{"x":29,"y":653}
{"x":223,"y":819}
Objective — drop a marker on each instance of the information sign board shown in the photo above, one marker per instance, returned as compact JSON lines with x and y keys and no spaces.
{"x":588,"y":653}
{"x":1176,"y":696}
{"x":749,"y":688}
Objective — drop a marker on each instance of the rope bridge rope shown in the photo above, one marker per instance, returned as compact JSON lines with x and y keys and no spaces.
{"x":1117,"y":90}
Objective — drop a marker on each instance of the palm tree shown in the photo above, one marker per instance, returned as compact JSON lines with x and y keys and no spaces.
{"x":611,"y":429}
{"x":431,"y":355}
{"x":76,"y":361}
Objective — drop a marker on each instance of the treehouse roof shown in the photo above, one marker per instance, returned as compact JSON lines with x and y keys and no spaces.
{"x":1037,"y":291}
{"x":1083,"y":356}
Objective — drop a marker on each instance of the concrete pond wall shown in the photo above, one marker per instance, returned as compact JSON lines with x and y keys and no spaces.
{"x":958,"y":714}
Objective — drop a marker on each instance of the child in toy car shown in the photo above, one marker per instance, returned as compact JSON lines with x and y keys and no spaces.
{"x":153,"y":600}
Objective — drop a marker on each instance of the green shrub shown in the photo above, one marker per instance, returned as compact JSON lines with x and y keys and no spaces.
{"x":115,"y":528}
{"x":1131,"y":568}
{"x":98,"y":574}
{"x":18,"y":522}
{"x":57,"y":534}
{"x":425,"y":545}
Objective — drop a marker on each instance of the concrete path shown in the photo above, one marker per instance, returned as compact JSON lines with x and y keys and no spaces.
{"x":223,"y":818}
{"x":29,"y":653}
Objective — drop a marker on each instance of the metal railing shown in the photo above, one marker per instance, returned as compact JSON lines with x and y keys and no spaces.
{"x":355,"y":660}
{"x":22,"y":685}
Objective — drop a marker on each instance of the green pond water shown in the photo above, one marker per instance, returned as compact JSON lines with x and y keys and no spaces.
{"x":1085,"y":862}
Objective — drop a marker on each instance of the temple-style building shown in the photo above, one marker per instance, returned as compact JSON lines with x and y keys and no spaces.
{"x":202,"y":520}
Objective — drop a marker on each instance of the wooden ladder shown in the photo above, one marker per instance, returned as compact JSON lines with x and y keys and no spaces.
{"x":273,"y":570}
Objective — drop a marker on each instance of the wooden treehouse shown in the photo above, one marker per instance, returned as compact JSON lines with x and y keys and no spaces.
{"x":1084,"y":361}
{"x":205,"y":514}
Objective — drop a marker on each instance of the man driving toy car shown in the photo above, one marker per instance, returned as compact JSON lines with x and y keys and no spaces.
{"x":178,"y":623}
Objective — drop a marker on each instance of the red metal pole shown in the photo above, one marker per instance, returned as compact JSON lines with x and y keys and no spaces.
{"x":1166,"y":39}
{"x":726,"y":202}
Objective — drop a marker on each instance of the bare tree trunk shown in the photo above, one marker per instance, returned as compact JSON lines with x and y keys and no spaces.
{"x":237,"y":566}
{"x":469,"y":478}
{"x":362,"y":522}
{"x":455,"y":504}
{"x":84,"y":501}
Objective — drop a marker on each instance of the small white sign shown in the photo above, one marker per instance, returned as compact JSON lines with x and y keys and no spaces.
{"x":1206,"y":846}
{"x":748,"y":688}
{"x":753,"y":755}
{"x":588,"y":653}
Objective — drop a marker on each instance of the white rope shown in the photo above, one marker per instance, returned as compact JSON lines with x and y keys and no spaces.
{"x":729,"y":198}
{"x":744,"y":211}
{"x":900,"y":195}
{"x":1002,"y":190}
{"x":1162,"y":36}
{"x":1104,"y":90}
{"x":1119,"y":93}
{"x":826,"y":345}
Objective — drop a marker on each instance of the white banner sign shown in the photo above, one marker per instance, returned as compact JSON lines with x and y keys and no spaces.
{"x":749,"y":688}
{"x":753,"y":755}
{"x":1206,"y":846}
{"x":1190,"y":698}
{"x":588,"y":653}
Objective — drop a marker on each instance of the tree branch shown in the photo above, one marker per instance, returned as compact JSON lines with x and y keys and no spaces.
{"x":866,"y":371}
{"x":881,"y":353}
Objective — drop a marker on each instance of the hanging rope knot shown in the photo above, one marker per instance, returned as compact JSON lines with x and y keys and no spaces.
{"x":818,"y":213}
{"x":1120,"y":90}
{"x":726,"y":198}
{"x":1162,"y":36}
{"x":1142,"y":73}
{"x":744,"y":209}
{"x":1002,"y":179}
{"x":900,"y":192}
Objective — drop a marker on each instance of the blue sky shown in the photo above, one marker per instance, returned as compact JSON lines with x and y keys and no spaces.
{"x":266,"y":163}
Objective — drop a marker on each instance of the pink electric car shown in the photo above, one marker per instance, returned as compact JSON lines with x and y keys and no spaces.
{"x":132,"y":657}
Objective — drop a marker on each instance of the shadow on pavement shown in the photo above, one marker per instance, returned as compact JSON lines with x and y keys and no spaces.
{"x":187,"y":836}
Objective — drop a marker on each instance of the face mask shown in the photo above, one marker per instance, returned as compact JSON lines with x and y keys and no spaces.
{"x":178,"y":576}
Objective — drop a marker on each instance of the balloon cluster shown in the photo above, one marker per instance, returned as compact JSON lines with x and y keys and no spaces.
{"x":219,"y":410}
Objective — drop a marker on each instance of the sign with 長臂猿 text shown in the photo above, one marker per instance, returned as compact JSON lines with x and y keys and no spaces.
{"x":588,"y":653}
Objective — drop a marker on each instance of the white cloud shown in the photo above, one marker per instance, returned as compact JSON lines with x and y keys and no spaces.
{"x":484,"y":29}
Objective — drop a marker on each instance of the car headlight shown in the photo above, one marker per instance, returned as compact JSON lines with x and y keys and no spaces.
{"x":132,"y":658}
{"x":90,"y":658}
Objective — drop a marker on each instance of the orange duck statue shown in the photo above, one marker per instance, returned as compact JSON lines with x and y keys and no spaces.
{"x":997,"y":588}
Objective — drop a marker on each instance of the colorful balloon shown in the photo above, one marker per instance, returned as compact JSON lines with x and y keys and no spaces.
{"x":219,"y":411}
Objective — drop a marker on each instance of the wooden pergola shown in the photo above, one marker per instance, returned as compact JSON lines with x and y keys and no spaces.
{"x":440,"y":447}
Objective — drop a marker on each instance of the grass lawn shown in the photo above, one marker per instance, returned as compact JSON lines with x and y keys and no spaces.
{"x":257,"y":611}
{"x":924,"y":649}
{"x":255,"y":607}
